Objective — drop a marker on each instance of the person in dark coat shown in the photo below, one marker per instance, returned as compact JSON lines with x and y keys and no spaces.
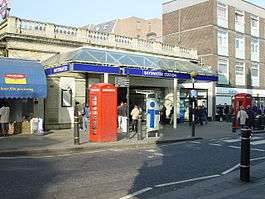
{"x":163,"y":117}
{"x":251,"y":116}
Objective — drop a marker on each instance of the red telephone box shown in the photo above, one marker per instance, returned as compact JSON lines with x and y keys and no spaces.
{"x":240,"y":99}
{"x":103,"y":113}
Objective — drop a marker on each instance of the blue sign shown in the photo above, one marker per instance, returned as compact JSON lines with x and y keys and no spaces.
{"x":59,"y":69}
{"x":155,"y":73}
{"x":152,"y":120}
{"x":78,"y":67}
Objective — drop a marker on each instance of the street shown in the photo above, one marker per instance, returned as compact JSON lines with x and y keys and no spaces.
{"x":118,"y":172}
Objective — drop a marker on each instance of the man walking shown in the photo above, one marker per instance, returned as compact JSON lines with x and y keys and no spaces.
{"x":242,"y":116}
{"x":135,"y":116}
{"x":4,"y":119}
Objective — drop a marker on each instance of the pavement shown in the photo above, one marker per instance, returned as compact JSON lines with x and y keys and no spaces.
{"x":61,"y":141}
{"x":224,"y":187}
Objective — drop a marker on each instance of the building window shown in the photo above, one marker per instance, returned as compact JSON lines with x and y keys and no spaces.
{"x":255,"y":50}
{"x":222,"y":15}
{"x":255,"y":26}
{"x":223,"y":72}
{"x":240,"y":74}
{"x":255,"y":74}
{"x":239,"y":21}
{"x":223,"y":43}
{"x":240,"y":47}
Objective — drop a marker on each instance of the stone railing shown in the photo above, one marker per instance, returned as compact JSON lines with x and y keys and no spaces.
{"x":34,"y":28}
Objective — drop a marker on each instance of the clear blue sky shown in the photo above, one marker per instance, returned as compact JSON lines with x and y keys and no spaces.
{"x":83,"y":12}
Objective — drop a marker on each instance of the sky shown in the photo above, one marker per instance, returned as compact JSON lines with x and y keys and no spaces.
{"x":84,"y":12}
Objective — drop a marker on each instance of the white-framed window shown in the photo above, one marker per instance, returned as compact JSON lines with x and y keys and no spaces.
{"x":255,"y":50}
{"x":223,"y":71}
{"x":222,"y":42}
{"x":239,"y":21}
{"x":222,"y":15}
{"x":255,"y":74}
{"x":255,"y":26}
{"x":240,"y":74}
{"x":240,"y":47}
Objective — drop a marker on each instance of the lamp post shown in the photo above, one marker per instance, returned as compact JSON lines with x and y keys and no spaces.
{"x":193,"y":98}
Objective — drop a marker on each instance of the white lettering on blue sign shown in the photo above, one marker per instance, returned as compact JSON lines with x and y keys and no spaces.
{"x":60,"y":69}
{"x":153,"y":73}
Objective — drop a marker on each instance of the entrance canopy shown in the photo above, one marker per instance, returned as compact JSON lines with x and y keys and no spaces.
{"x":99,"y":60}
{"x":22,"y":79}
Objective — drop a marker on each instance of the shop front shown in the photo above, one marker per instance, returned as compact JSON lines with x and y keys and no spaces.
{"x":22,"y":88}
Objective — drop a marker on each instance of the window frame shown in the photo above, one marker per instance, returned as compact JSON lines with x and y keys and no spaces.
{"x":226,"y":75}
{"x":222,"y":44}
{"x":257,"y":77}
{"x":240,"y":77}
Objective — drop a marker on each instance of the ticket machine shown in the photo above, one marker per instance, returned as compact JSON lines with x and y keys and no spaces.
{"x":103,"y":113}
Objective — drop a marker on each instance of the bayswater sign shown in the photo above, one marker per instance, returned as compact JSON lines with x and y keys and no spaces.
{"x":155,"y":73}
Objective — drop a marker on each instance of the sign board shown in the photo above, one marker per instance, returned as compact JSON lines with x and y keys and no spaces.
{"x":153,"y":116}
{"x":122,"y":81}
{"x":193,"y":93}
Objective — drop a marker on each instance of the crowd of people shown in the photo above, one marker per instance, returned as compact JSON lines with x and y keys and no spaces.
{"x":246,"y":117}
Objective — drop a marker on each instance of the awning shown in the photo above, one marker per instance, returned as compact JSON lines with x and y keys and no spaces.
{"x":100,"y":60}
{"x":22,"y":79}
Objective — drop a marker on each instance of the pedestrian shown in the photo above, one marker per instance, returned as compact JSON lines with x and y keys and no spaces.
{"x":4,"y":119}
{"x":226,"y":112}
{"x":220,"y":112}
{"x":135,"y":116}
{"x":171,"y":115}
{"x":120,"y":115}
{"x":251,"y":116}
{"x":204,"y":112}
{"x":163,"y":116}
{"x":242,"y":116}
{"x":200,"y":115}
{"x":124,"y":119}
{"x":85,"y":117}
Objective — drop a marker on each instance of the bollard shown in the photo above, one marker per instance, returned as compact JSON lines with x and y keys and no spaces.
{"x":76,"y":131}
{"x":139,"y":130}
{"x":245,"y":155}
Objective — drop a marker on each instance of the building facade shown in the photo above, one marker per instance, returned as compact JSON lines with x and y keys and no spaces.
{"x":229,"y":36}
{"x":36,"y":40}
{"x":135,"y":27}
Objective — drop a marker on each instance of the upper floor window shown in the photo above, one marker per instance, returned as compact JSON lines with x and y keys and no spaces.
{"x":240,"y":74}
{"x":222,"y":43}
{"x":255,"y":50}
{"x":240,"y":47}
{"x":223,"y":71}
{"x":222,"y":15}
{"x":255,"y":74}
{"x":239,"y":21}
{"x":255,"y":26}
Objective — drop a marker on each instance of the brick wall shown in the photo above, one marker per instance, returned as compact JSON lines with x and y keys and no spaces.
{"x":190,"y":18}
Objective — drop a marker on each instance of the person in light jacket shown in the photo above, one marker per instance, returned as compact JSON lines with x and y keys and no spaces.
{"x":242,"y":116}
{"x":135,"y":116}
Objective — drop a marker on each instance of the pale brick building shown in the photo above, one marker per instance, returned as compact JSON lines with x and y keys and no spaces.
{"x":132,"y":27}
{"x":229,"y":36}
